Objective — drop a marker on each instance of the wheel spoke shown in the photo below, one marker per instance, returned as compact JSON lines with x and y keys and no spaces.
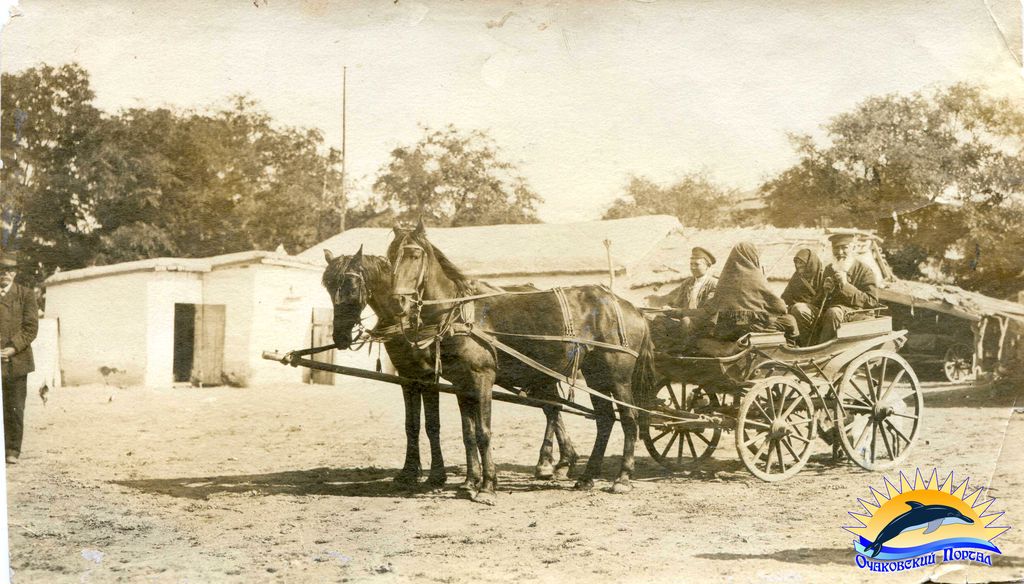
{"x":771,"y":402}
{"x":778,"y":450}
{"x":874,"y":427}
{"x":749,"y":422}
{"x":701,"y":436}
{"x":800,"y":438}
{"x":867,"y":401}
{"x":885,"y":441}
{"x":871,"y":381}
{"x":755,"y":438}
{"x":660,"y":436}
{"x":760,"y":451}
{"x":858,"y":408}
{"x":897,"y":431}
{"x":766,"y":416}
{"x":789,"y":447}
{"x":672,"y":396}
{"x":908,"y":416}
{"x":863,"y":435}
{"x":895,"y":380}
{"x":689,"y":441}
{"x":664,"y":453}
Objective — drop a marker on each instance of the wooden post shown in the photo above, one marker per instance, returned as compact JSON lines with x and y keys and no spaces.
{"x":611,"y":268}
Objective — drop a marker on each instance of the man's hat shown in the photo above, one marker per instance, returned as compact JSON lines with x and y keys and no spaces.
{"x":700,"y":252}
{"x":841,"y":238}
{"x":8,"y":259}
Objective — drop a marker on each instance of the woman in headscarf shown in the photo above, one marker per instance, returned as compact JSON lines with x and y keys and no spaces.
{"x":743,"y":303}
{"x":807,"y":280}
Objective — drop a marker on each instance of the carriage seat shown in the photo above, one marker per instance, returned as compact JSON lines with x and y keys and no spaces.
{"x":877,"y":325}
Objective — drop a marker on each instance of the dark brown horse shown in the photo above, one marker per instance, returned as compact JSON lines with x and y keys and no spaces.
{"x":360,"y":280}
{"x":591,"y":314}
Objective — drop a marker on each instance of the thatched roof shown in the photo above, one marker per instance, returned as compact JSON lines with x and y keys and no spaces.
{"x":541,"y":248}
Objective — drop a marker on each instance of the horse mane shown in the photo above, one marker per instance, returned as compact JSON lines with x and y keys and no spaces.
{"x":448,"y":268}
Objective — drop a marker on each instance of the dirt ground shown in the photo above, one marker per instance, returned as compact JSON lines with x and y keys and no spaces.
{"x":292,"y":484}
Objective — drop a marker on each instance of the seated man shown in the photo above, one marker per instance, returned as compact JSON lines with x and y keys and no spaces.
{"x":804,"y":286}
{"x":742,"y":304}
{"x":695,"y":291}
{"x":848,"y":285}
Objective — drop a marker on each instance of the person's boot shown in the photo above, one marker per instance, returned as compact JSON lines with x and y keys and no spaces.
{"x":12,"y":457}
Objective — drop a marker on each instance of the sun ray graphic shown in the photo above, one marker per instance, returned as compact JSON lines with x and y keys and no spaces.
{"x":890,"y":501}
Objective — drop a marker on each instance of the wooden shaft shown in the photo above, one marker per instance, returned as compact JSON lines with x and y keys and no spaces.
{"x":568,"y":407}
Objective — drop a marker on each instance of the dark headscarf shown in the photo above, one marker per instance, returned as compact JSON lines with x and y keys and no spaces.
{"x":742,"y":286}
{"x":805,"y":286}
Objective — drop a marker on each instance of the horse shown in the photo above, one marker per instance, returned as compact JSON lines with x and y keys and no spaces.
{"x":353,"y":282}
{"x":593,"y":327}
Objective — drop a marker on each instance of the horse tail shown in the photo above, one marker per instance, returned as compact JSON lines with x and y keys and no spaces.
{"x":644,"y":376}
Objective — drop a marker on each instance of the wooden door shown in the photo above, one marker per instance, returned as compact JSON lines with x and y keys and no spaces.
{"x":322,"y":334}
{"x":208,"y":361}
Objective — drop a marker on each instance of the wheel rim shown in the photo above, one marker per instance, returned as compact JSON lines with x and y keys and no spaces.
{"x":957,"y":363}
{"x":674,"y":448}
{"x":879,"y":405}
{"x":775,"y":428}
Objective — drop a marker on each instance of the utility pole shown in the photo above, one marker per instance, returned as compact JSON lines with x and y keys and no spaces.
{"x":343,"y":202}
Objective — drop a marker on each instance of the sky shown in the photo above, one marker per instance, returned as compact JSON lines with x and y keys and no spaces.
{"x":580,"y":95}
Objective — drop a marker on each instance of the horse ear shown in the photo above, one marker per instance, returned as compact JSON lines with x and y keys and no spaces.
{"x":328,"y":255}
{"x":359,"y":255}
{"x":421,"y":229}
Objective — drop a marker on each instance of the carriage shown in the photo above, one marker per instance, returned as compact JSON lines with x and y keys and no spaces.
{"x":855,"y":391}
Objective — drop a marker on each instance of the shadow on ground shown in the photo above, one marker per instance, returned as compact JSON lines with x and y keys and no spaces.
{"x":1001,"y":394}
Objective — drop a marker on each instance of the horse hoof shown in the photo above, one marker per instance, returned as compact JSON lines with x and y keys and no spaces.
{"x":561,"y":473}
{"x":621,"y":487}
{"x":485,"y":498}
{"x":584,"y":485}
{"x":406,"y":479}
{"x":469,"y":485}
{"x":435,"y":482}
{"x":544,"y":473}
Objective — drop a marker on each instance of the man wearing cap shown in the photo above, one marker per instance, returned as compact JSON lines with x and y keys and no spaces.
{"x":699,"y":287}
{"x":848,"y":285}
{"x":19,"y":323}
{"x":694,"y":292}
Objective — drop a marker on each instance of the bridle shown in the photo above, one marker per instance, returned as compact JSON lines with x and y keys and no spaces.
{"x":416,"y":296}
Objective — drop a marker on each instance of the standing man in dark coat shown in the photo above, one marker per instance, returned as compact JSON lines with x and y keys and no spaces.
{"x":19,"y":323}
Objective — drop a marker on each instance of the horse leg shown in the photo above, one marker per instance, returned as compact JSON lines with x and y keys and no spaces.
{"x":546,"y":462}
{"x":555,"y":428}
{"x":567,"y":456}
{"x":432,"y":415}
{"x":627,"y":417}
{"x":605,"y":420}
{"x":467,"y":407}
{"x":483,"y":383}
{"x":410,"y":473}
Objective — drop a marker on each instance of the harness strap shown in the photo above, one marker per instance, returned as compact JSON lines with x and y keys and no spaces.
{"x":619,"y":320}
{"x":484,"y":337}
{"x":568,"y":327}
{"x":567,"y":339}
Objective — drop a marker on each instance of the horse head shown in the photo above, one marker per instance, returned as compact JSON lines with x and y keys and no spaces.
{"x":410,"y":254}
{"x":345,"y":281}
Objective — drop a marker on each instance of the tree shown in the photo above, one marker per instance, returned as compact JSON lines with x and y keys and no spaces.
{"x":944,"y":170}
{"x":51,"y":141}
{"x":694,"y":199}
{"x":453,"y":178}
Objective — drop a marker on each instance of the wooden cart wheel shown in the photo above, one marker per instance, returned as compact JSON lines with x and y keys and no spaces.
{"x":674,"y":448}
{"x":957,"y":363}
{"x":775,"y":428}
{"x":879,"y":407}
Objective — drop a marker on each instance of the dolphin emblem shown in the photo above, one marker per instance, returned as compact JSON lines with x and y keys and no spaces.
{"x":927,"y":517}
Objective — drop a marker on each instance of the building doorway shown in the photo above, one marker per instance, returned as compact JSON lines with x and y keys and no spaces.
{"x":199,"y":343}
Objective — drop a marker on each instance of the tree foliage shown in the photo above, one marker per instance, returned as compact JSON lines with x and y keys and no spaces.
{"x":452,"y":178}
{"x":695,"y":200}
{"x":84,"y":187}
{"x":943,"y":172}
